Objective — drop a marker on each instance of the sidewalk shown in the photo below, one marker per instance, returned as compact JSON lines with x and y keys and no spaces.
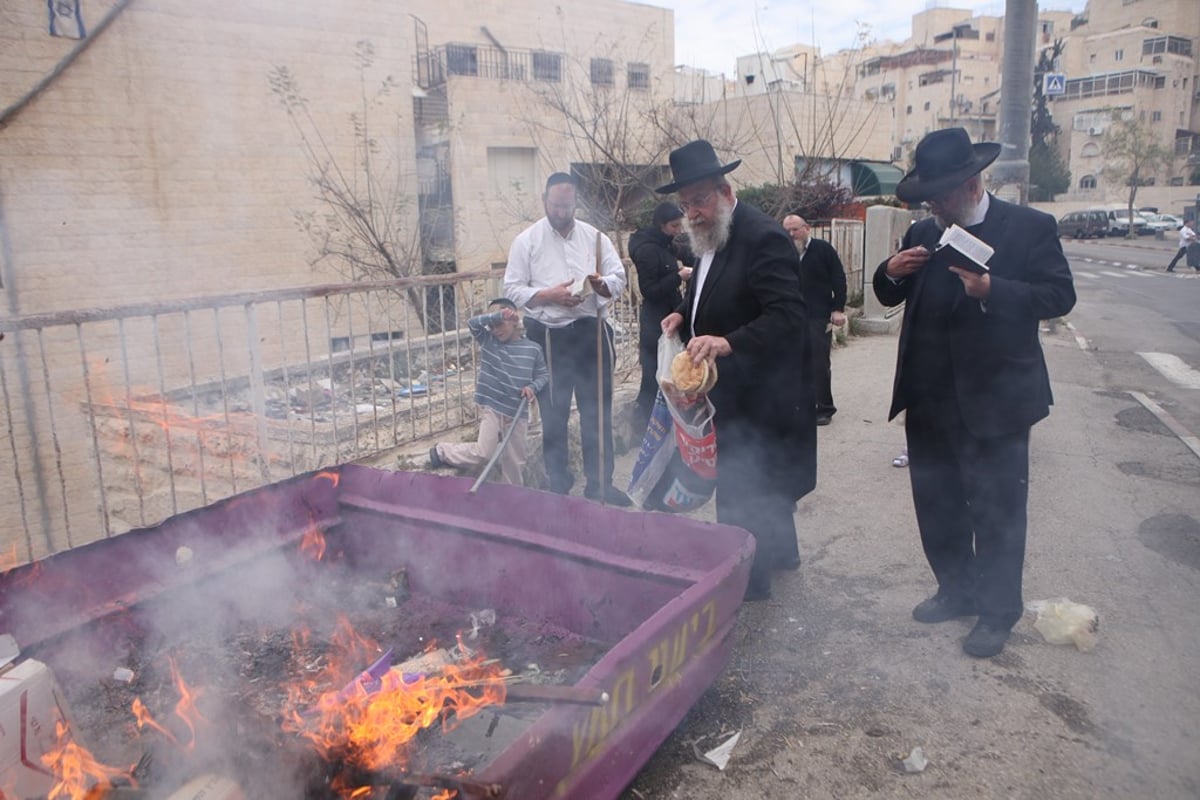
{"x":832,"y":682}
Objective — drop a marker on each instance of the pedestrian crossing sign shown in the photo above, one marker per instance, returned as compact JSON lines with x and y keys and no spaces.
{"x":1054,"y":83}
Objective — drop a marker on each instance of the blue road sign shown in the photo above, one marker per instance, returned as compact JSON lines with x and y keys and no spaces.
{"x":1054,"y":83}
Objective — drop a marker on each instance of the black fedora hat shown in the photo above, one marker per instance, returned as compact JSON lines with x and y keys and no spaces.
{"x":944,"y":159}
{"x":693,"y":162}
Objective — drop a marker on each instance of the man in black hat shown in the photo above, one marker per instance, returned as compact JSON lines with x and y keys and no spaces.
{"x":743,"y":307}
{"x":972,"y":379}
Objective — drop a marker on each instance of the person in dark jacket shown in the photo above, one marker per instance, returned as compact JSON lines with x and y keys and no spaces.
{"x":972,"y":379}
{"x":659,"y":277}
{"x":743,"y":307}
{"x":823,"y":281}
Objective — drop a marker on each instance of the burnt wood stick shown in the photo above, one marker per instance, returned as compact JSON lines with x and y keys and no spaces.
{"x":553,"y":693}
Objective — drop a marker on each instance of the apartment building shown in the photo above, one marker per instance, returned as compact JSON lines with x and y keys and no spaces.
{"x":1123,"y":59}
{"x":1130,"y":60}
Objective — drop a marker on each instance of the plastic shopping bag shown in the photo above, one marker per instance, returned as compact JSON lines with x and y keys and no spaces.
{"x":681,"y":477}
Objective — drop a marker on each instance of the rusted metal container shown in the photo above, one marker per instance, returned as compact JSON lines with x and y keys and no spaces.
{"x":658,"y":591}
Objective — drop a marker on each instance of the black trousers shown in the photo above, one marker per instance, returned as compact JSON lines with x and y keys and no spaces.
{"x":576,"y":372}
{"x":1178,"y":255}
{"x":822,"y":342}
{"x":970,"y":496}
{"x":648,"y":358}
{"x":750,"y":497}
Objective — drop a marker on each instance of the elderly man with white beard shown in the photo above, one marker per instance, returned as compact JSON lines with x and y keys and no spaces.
{"x":744,"y":309}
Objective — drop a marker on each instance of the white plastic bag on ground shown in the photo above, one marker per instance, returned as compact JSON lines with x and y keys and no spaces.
{"x":1061,"y":621}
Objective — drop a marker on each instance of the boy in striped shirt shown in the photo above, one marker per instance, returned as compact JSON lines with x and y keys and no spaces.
{"x":510,"y":367}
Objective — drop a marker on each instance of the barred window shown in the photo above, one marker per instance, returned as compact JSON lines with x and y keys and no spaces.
{"x":638,"y":76}
{"x":547,"y":66}
{"x":602,"y":72}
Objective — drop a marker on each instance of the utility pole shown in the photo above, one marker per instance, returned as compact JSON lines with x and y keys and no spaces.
{"x":1016,"y":89}
{"x":953,"y":73}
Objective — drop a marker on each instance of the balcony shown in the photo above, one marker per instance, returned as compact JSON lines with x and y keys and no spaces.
{"x":489,"y":62}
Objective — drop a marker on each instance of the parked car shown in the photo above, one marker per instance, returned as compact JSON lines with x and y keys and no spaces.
{"x":1163,"y":222}
{"x":1118,"y":223}
{"x":1091,"y":223}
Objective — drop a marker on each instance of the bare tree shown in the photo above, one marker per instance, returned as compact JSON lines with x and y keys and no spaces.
{"x":1133,"y":156}
{"x":364,"y":226}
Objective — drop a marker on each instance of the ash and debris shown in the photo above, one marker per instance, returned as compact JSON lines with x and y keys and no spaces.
{"x":239,"y":668}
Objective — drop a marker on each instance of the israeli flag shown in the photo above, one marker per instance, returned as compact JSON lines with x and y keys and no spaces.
{"x":65,"y":19}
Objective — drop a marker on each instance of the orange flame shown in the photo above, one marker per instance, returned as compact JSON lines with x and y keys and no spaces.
{"x":445,"y":794}
{"x":185,"y":709}
{"x":75,"y":770}
{"x":312,"y":544}
{"x":332,"y":477}
{"x":372,"y":731}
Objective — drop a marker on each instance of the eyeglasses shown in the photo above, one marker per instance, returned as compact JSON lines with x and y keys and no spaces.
{"x":702,"y":200}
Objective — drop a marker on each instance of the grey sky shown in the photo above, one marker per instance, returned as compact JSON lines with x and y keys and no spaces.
{"x":711,"y":34}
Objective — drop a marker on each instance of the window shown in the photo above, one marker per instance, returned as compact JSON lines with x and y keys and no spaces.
{"x":908,"y":110}
{"x":1118,"y":55}
{"x":1087,"y":182}
{"x":602,"y":72}
{"x":1091,"y":58}
{"x":1156,"y":116}
{"x":638,"y":76}
{"x":926,"y":105}
{"x":547,"y":67}
{"x":1176,"y":45}
{"x":1150,"y":22}
{"x":462,"y":59}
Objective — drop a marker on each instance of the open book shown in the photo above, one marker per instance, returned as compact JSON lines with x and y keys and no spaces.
{"x":975,"y":251}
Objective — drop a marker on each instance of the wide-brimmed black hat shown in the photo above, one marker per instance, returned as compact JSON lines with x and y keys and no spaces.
{"x":944,"y":159}
{"x":693,"y":162}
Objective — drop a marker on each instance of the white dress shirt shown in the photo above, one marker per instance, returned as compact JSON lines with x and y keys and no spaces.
{"x":541,"y":257}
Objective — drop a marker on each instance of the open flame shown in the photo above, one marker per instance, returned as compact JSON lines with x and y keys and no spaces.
{"x":75,"y":769}
{"x":369,"y":723}
{"x":185,"y":710}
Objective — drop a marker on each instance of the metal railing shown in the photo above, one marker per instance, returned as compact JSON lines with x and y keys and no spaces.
{"x":119,"y":418}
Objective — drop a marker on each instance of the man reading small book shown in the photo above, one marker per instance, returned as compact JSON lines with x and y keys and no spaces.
{"x":971,"y":377}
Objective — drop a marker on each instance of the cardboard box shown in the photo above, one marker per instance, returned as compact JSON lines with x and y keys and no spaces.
{"x":31,"y":706}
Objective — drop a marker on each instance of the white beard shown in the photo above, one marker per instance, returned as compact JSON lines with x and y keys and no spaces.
{"x":715,"y":237}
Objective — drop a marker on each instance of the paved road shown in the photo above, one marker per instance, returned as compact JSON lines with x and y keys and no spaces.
{"x":832,"y":681}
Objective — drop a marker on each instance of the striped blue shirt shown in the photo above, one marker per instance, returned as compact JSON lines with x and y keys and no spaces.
{"x":505,"y":368}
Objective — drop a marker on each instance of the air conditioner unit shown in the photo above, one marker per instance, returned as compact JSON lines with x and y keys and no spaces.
{"x":1095,"y":131}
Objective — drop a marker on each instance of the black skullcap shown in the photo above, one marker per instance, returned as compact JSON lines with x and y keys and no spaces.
{"x":560,"y":177}
{"x":503,"y":302}
{"x":666,"y":212}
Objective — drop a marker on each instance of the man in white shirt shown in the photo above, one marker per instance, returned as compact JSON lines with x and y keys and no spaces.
{"x":1187,"y":235}
{"x":564,"y":274}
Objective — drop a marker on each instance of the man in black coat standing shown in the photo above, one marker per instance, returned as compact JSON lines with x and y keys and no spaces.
{"x":972,"y":379}
{"x":660,"y":277}
{"x":823,"y":281}
{"x":743,"y":308}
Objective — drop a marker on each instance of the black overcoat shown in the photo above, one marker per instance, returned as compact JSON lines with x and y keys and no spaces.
{"x":751,"y":296}
{"x":1000,"y":381}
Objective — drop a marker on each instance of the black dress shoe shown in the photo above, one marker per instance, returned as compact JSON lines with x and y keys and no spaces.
{"x":611,"y":496}
{"x":560,"y":484}
{"x":435,"y":460}
{"x":824,"y":419}
{"x":942,"y":607}
{"x":791,"y":563}
{"x":985,"y":640}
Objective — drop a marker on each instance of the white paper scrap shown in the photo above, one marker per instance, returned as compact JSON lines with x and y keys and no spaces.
{"x":719,"y":755}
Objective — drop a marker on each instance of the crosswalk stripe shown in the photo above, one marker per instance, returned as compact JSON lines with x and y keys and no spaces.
{"x":1091,"y":275}
{"x":1139,"y":274}
{"x":1174,"y":369}
{"x":1112,"y":274}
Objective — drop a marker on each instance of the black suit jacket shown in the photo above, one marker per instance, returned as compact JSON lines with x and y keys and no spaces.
{"x":658,"y":279}
{"x":751,"y":296}
{"x":823,"y":279}
{"x":1000,"y":381}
